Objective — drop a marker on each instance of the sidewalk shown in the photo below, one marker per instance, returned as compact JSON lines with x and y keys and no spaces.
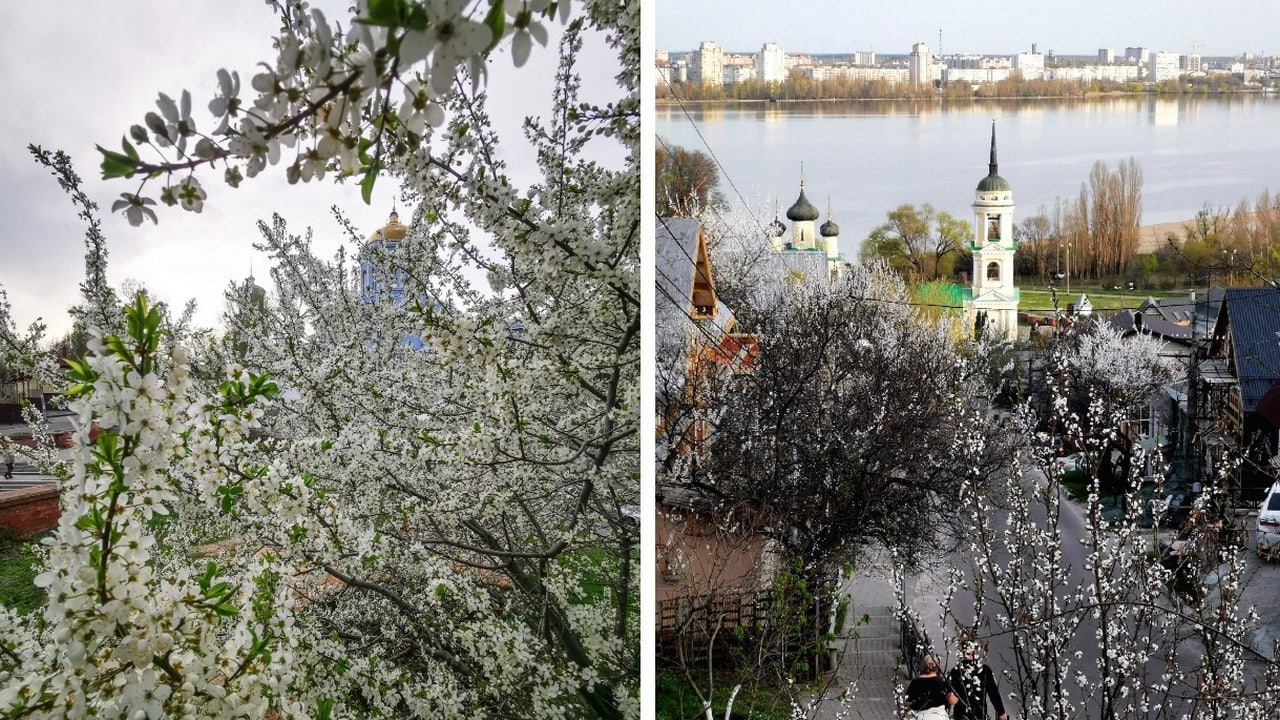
{"x":24,"y":473}
{"x":870,"y":651}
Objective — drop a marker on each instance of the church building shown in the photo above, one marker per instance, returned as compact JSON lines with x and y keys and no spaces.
{"x":991,"y":304}
{"x":806,"y":251}
{"x":376,"y":283}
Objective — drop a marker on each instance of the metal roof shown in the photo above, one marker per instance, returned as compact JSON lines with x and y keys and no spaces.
{"x":1253,"y":315}
{"x":1123,"y":321}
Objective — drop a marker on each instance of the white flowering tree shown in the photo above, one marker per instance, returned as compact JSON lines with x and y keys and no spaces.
{"x":343,"y":527}
{"x":1083,"y":613}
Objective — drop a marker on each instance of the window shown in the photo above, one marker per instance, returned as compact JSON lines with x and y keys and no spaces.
{"x":993,"y":227}
{"x":993,"y":271}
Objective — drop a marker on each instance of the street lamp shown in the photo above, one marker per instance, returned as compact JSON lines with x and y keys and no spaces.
{"x":1229,"y":259}
{"x":1068,"y":268}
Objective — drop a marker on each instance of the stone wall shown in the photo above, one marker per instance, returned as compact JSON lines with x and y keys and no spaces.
{"x":28,"y":512}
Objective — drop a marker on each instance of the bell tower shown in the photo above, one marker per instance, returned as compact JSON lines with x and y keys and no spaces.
{"x":994,"y":295}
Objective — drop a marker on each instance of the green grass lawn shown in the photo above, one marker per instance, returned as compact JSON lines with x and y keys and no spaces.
{"x":676,"y":700}
{"x":17,"y":576}
{"x":1039,"y":300}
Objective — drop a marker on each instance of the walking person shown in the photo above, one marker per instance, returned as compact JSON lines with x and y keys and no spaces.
{"x":9,"y":460}
{"x":927,"y":694}
{"x":974,"y":683}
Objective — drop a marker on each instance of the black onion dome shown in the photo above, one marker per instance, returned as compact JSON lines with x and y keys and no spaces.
{"x":803,"y":209}
{"x":829,"y":229}
{"x":776,"y":228}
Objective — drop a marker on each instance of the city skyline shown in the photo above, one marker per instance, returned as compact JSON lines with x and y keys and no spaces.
{"x":1178,"y":26}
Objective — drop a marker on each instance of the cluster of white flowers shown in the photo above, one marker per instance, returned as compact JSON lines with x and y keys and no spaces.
{"x":336,"y":525}
{"x":120,"y":639}
{"x":328,"y":97}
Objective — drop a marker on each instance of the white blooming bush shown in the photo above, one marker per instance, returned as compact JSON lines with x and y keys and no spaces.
{"x":336,"y":525}
{"x":1079,"y":606}
{"x":117,"y":638}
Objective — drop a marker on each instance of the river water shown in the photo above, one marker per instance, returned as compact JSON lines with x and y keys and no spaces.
{"x":868,"y":157}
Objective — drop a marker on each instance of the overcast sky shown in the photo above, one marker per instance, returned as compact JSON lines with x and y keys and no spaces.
{"x":1078,"y":27}
{"x":80,"y":72}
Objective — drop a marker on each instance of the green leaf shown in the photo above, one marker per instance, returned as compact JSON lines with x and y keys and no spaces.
{"x":128,"y":149}
{"x":229,"y":494}
{"x":385,"y":13}
{"x":496,"y":19}
{"x":416,"y":18}
{"x":366,"y":183}
{"x":115,"y":165}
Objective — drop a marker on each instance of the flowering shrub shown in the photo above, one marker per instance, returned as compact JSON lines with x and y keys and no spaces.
{"x":333,"y":525}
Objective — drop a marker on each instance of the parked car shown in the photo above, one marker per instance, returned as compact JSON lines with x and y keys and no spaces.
{"x":1267,"y":537}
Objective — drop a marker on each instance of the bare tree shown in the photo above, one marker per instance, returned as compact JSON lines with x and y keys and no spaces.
{"x":688,"y":181}
{"x":1035,"y":244}
{"x":1110,"y":212}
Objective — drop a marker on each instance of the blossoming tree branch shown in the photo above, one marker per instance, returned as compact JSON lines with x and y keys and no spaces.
{"x":303,"y":516}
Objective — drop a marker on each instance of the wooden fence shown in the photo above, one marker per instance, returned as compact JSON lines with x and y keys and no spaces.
{"x":724,"y":630}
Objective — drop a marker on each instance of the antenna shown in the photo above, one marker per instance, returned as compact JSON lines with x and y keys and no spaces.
{"x":939,"y":42}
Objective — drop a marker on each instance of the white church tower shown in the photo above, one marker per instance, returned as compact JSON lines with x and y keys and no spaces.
{"x":802,"y":216}
{"x":993,"y":303}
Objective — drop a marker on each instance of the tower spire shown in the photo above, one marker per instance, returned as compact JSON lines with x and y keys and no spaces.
{"x":992,"y":168}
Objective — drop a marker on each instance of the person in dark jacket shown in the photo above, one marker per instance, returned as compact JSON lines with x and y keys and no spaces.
{"x":974,"y":683}
{"x":928,"y":691}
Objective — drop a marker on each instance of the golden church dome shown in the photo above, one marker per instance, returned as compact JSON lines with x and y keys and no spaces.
{"x":393,"y":231}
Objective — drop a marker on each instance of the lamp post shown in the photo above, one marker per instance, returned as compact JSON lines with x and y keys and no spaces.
{"x":1068,"y":269}
{"x":1229,"y":260}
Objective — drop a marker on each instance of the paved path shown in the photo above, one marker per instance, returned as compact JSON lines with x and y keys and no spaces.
{"x":24,"y":474}
{"x":871,"y":653}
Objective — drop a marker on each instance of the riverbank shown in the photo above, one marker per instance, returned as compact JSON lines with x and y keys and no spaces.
{"x":1097,"y":95}
{"x":1154,"y":237}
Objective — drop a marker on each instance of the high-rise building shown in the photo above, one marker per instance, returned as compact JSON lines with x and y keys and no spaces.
{"x":1106,"y":56}
{"x":920,"y":65}
{"x":1137,"y":55}
{"x":771,"y":63}
{"x":1163,"y":66}
{"x":1031,"y":65}
{"x":707,"y":65}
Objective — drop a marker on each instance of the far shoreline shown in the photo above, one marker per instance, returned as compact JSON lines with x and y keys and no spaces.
{"x":1215,"y":95}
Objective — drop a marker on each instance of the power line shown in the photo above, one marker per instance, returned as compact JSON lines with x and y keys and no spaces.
{"x":711,"y":152}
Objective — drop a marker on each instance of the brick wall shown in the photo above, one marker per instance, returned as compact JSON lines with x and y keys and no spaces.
{"x":28,"y":512}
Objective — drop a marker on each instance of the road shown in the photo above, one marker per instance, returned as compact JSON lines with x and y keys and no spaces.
{"x":927,"y":594}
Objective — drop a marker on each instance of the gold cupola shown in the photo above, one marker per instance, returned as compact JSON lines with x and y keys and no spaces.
{"x":393,"y":231}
